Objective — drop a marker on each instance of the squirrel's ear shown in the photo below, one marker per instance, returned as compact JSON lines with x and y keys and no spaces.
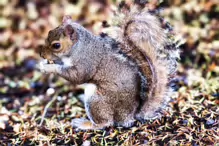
{"x":67,"y":25}
{"x":69,"y":30}
{"x":66,"y":19}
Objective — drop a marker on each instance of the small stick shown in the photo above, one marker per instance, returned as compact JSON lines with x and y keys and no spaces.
{"x":46,"y":108}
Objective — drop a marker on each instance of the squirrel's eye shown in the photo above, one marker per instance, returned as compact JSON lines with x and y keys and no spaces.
{"x":56,"y":46}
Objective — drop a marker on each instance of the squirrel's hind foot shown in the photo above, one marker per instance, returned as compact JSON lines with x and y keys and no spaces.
{"x":149,"y":113}
{"x":85,"y":124}
{"x":81,"y":123}
{"x":126,"y":124}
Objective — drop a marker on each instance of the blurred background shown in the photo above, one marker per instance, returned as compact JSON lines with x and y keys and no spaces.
{"x":24,"y":91}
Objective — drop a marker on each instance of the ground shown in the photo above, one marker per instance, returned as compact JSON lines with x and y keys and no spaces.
{"x":37,"y":109}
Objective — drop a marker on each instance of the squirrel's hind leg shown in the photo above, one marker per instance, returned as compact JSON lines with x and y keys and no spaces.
{"x":99,"y":111}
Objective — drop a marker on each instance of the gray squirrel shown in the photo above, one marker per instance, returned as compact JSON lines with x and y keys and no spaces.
{"x":125,"y":77}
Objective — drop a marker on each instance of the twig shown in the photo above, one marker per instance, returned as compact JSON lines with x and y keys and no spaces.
{"x":46,"y":108}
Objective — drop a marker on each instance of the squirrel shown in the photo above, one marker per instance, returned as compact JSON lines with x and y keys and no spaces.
{"x":125,"y":77}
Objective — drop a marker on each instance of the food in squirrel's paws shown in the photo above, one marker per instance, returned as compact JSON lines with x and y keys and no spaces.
{"x":50,"y":62}
{"x":125,"y":77}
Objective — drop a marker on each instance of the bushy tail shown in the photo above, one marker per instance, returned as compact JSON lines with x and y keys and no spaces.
{"x":143,"y":40}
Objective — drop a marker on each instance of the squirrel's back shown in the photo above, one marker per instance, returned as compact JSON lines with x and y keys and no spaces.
{"x":142,"y":39}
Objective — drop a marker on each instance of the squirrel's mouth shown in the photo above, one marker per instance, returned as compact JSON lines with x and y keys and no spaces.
{"x":57,"y":61}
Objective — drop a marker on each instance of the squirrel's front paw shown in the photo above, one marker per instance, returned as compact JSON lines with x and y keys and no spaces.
{"x":49,"y":68}
{"x":41,"y":67}
{"x":82,"y":123}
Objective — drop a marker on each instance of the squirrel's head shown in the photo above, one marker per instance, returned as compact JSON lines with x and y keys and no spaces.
{"x":60,"y":41}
